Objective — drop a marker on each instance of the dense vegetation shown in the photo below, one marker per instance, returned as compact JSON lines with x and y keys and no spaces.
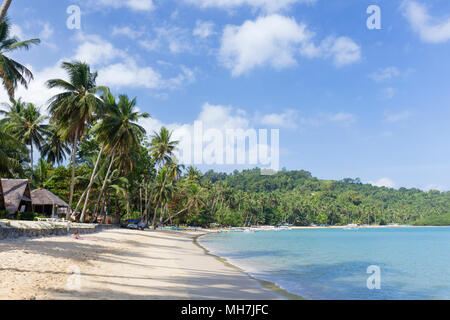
{"x":115,"y":169}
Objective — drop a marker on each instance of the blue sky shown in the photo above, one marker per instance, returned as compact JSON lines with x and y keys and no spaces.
{"x":349,"y":101}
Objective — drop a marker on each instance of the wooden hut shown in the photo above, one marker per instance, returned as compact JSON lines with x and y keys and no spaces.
{"x":16,"y":195}
{"x":47,"y":203}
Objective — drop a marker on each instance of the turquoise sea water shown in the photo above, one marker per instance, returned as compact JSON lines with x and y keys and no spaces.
{"x":332,"y":263}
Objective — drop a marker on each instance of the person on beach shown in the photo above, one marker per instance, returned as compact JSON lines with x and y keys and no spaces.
{"x":77,"y":237}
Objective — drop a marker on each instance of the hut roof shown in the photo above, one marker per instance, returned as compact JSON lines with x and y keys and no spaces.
{"x":43,"y":197}
{"x":15,"y":191}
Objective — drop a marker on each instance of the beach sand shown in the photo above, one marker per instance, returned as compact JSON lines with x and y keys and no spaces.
{"x":120,"y":264}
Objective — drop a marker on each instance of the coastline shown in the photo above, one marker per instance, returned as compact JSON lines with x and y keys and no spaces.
{"x":121,"y":264}
{"x":264,"y":283}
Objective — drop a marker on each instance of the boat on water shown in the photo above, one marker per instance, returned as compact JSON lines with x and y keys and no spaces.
{"x":351,"y":227}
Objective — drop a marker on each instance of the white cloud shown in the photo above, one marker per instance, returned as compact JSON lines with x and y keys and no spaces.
{"x":388,"y":93}
{"x":127,"y":31}
{"x":430,"y":29}
{"x":222,"y":117}
{"x":38,"y":92}
{"x":275,"y":40}
{"x":385,"y":74}
{"x":176,"y":39}
{"x":342,"y":50}
{"x":16,"y":31}
{"x":268,"y":40}
{"x":288,"y":119}
{"x":397,"y":117}
{"x":47,"y":31}
{"x":265,"y":5}
{"x":137,"y":5}
{"x":204,"y":29}
{"x":130,"y":75}
{"x":384,"y":182}
{"x":344,"y":118}
{"x":94,"y":50}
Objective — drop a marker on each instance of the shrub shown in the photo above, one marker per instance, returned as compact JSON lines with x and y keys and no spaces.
{"x":26,"y":216}
{"x":4,"y":214}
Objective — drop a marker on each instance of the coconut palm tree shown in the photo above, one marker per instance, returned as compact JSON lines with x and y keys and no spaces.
{"x":75,"y":107}
{"x":28,"y":127}
{"x":118,"y":133}
{"x":41,"y":174}
{"x":54,"y":148}
{"x":162,"y":149}
{"x":12,"y":72}
{"x":15,"y":107}
{"x":10,"y":152}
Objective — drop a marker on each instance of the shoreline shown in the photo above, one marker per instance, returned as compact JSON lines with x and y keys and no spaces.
{"x":264,"y":283}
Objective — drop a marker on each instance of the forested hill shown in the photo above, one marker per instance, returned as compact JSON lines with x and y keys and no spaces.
{"x":298,"y":197}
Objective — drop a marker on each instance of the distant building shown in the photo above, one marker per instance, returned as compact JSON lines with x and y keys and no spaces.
{"x":16,"y":195}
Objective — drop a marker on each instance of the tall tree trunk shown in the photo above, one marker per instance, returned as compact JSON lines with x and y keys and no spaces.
{"x":147,"y":205}
{"x":104,"y":185}
{"x":72,"y":182}
{"x":90,"y":184}
{"x":159,"y":200}
{"x":85,"y":191}
{"x":140,"y":200}
{"x":31,"y":156}
{"x":4,"y":9}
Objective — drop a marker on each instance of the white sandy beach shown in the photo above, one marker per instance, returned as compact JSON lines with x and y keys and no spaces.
{"x":120,"y":264}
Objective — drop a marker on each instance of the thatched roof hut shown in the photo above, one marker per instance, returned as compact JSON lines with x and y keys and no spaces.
{"x":47,"y":203}
{"x":16,"y":195}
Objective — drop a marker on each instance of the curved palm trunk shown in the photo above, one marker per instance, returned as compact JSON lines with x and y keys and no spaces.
{"x":72,"y":182}
{"x":175,"y":215}
{"x":104,"y":185}
{"x":90,"y":184}
{"x":4,"y":9}
{"x":85,"y":191}
{"x":147,"y":206}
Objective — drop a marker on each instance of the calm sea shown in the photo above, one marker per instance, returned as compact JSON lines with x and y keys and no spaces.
{"x":413,"y":263}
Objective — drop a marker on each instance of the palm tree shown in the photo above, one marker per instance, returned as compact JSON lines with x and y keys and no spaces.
{"x":15,"y":107}
{"x":75,"y":107}
{"x":118,"y":133}
{"x":12,"y":72}
{"x":4,"y":9}
{"x":162,"y":149}
{"x":194,"y":200}
{"x":41,"y":174}
{"x":54,"y":148}
{"x":10,"y":151}
{"x":28,"y":127}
